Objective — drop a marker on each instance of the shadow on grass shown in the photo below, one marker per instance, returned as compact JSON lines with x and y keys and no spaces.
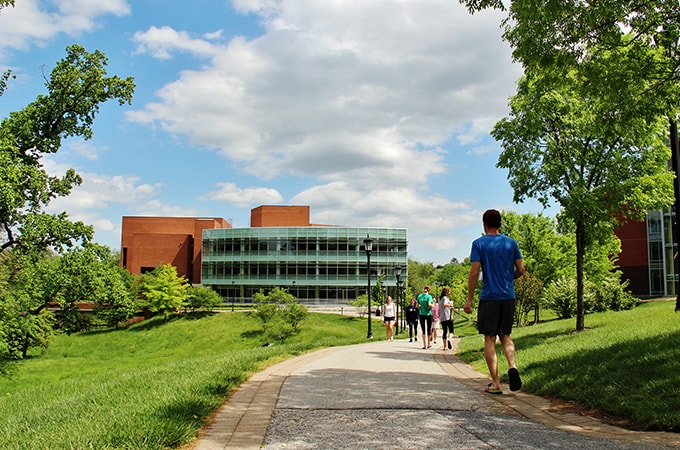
{"x":521,"y":343}
{"x":637,"y":380}
{"x":159,"y":321}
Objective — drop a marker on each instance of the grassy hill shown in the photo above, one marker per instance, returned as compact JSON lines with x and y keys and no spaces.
{"x":155,"y":384}
{"x":150,"y":386}
{"x":625,"y":364}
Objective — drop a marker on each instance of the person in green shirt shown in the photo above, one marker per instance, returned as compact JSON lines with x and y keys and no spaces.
{"x":425,"y":303}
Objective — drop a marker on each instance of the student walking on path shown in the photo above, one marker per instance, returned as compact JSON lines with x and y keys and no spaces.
{"x":446,"y":317}
{"x":412,"y":313}
{"x":389,"y":317}
{"x":500,"y":262}
{"x":425,"y":315}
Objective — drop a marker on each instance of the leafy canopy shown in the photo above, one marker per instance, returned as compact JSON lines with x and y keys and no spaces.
{"x":76,"y":87}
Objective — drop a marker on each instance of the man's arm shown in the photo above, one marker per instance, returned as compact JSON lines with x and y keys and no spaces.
{"x":519,"y":268}
{"x":472,"y":285}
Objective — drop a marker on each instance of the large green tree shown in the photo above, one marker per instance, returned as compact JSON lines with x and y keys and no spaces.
{"x":29,"y":237}
{"x":563,"y":33}
{"x":75,"y":89}
{"x":601,"y":155}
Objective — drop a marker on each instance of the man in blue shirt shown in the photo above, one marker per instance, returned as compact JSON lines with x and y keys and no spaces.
{"x":499,"y":260}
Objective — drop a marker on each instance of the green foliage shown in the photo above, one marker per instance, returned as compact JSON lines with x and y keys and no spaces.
{"x":279,"y":313}
{"x":560,"y":296}
{"x":605,"y":294}
{"x":76,"y":87}
{"x":22,"y":329}
{"x":163,"y":291}
{"x":360,"y":303}
{"x":202,"y":297}
{"x":611,"y":295}
{"x":548,"y":253}
{"x":528,"y":293}
{"x":23,"y":315}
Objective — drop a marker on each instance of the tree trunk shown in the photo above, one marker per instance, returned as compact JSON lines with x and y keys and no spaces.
{"x":675,"y":155}
{"x":580,"y":252}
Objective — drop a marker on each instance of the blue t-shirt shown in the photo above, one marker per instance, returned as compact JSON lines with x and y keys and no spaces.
{"x":497,"y":254}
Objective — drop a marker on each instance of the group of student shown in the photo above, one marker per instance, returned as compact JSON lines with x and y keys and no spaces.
{"x":430,"y":314}
{"x":499,"y":258}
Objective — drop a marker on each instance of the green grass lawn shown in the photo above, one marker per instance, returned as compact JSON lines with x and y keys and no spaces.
{"x":150,"y":386}
{"x":625,"y":364}
{"x":155,"y":384}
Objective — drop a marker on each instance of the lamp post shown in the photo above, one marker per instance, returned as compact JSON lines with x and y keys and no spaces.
{"x":397,"y":273}
{"x":233,"y":295}
{"x":368,"y":246}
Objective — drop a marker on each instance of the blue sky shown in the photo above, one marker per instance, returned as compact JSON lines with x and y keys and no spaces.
{"x":372,"y":112}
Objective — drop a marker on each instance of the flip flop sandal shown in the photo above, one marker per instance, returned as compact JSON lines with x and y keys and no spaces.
{"x":514,"y":380}
{"x":490,"y":390}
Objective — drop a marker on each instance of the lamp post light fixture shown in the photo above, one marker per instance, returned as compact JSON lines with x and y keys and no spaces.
{"x":397,"y":273}
{"x":368,"y":246}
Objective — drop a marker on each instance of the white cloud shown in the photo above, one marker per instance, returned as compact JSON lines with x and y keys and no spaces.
{"x":327,"y":93}
{"x":243,"y":198}
{"x":31,"y":22}
{"x":160,"y":42}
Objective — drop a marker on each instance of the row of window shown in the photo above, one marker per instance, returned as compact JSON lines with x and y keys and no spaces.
{"x":271,"y":245}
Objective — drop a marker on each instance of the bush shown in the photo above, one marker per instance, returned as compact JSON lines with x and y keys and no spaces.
{"x":202,"y":297}
{"x":361,"y":304}
{"x":560,"y":296}
{"x":279,"y":313}
{"x":528,"y":291}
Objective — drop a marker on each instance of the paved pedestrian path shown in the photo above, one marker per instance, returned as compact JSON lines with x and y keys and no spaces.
{"x":384,"y":395}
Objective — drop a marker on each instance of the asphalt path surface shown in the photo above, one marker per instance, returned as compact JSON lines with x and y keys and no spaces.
{"x":387,"y":395}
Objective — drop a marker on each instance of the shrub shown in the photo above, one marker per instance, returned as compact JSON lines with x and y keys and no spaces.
{"x":279,"y":313}
{"x":611,"y":295}
{"x":528,"y":291}
{"x":560,"y":296}
{"x":202,"y":297}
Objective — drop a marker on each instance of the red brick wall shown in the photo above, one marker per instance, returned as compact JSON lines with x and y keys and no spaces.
{"x":279,"y":216}
{"x":633,"y":236}
{"x":150,"y":241}
{"x":633,"y":259}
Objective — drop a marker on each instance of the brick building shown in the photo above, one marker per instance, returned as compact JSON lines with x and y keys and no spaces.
{"x":316,"y":263}
{"x":149,"y":241}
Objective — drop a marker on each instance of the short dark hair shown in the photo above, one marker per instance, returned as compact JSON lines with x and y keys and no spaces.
{"x":492,"y":218}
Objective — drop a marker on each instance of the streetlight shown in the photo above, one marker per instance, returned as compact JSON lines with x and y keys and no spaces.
{"x":368,"y":245}
{"x":397,"y":272}
{"x":233,"y":295}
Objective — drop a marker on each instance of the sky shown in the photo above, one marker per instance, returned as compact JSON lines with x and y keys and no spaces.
{"x":375,"y":113}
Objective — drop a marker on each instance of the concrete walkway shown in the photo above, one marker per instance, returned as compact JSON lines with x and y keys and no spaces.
{"x":382,"y":395}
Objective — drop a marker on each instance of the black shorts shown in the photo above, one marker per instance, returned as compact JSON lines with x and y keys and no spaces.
{"x":495,"y":317}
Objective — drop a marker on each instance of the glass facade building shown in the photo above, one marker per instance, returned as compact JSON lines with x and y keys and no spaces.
{"x":662,"y":246}
{"x":318,"y":265}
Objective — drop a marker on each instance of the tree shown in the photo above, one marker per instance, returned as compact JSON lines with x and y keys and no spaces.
{"x":163,"y":291}
{"x":25,"y":322}
{"x":76,"y":87}
{"x":570,"y":139}
{"x":547,"y":252}
{"x":645,"y":35}
{"x":528,"y":292}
